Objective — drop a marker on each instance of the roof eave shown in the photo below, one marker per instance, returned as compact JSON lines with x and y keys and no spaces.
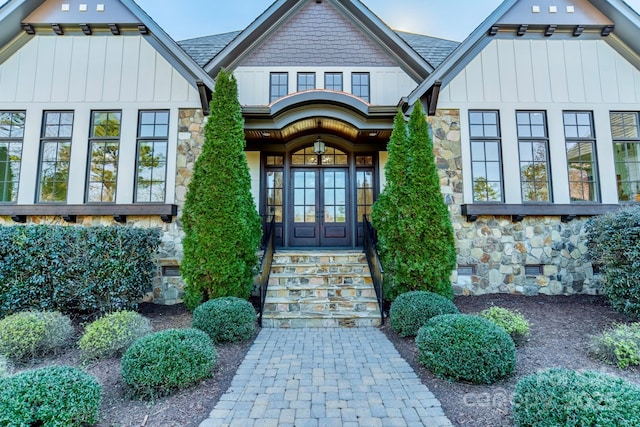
{"x":460,"y":54}
{"x":11,"y":16}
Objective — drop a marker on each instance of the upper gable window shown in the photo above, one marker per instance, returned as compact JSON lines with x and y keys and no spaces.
{"x":279,"y":86}
{"x":333,"y":81}
{"x":306,"y":81}
{"x":360,"y":85}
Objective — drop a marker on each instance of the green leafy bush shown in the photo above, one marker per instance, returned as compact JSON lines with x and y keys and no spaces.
{"x":511,"y":321}
{"x":613,"y":242}
{"x":411,"y":310}
{"x":165,"y":361}
{"x":55,"y":396}
{"x":6,"y":367}
{"x":32,"y":333}
{"x":463,"y":347}
{"x":227,"y":319}
{"x":561,"y":397}
{"x":112,"y":334}
{"x":619,"y":345}
{"x":75,"y":270}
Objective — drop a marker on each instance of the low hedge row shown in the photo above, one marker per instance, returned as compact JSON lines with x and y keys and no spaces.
{"x":79,"y":270}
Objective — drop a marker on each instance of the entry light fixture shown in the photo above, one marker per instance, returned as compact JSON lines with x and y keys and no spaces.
{"x":319,"y":146}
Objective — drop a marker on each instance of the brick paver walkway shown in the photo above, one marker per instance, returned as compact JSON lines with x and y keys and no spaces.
{"x":325,"y":378}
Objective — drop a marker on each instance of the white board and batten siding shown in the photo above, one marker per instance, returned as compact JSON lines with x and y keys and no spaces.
{"x":553,"y":76}
{"x":85,"y":74}
{"x":387,"y":84}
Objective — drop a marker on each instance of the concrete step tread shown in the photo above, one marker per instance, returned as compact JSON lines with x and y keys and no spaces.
{"x":302,"y":287}
{"x":313,"y":300}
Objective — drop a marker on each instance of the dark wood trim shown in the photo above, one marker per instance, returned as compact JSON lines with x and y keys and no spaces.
{"x":433,"y":98}
{"x":519,"y":211}
{"x":165,"y":211}
{"x":205,"y":96}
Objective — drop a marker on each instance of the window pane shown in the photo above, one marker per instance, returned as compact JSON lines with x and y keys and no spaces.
{"x":152,"y":156}
{"x":485,"y":156}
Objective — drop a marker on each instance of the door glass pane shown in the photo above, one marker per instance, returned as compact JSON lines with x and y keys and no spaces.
{"x":304,"y":196}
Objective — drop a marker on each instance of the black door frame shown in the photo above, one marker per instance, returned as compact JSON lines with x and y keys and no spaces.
{"x":284,"y":229}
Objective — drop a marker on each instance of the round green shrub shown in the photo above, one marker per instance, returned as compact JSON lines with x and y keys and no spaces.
{"x":463,"y":347}
{"x":511,"y":321}
{"x":160,"y":363}
{"x":33,"y":333}
{"x":619,"y":345}
{"x":6,"y":367}
{"x":411,"y":310}
{"x":112,"y":334}
{"x":55,"y":396}
{"x":226,"y":319}
{"x":562,"y":397}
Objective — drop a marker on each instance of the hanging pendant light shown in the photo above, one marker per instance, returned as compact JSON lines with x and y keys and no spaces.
{"x":319,"y":146}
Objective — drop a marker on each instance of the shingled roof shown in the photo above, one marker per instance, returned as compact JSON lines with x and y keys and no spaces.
{"x":432,"y":49}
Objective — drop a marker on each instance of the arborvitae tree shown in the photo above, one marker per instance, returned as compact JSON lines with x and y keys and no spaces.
{"x":419,"y":248}
{"x":384,"y":214}
{"x":222,"y":227}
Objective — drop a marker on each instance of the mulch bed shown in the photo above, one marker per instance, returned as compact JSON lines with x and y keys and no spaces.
{"x":560,"y":331}
{"x":184,"y":409}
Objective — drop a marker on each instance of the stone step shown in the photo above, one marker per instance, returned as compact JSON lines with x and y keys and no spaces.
{"x":319,"y":280}
{"x":320,"y":289}
{"x":319,"y":268}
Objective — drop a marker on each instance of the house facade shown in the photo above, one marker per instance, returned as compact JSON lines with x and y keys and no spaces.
{"x":534,"y":117}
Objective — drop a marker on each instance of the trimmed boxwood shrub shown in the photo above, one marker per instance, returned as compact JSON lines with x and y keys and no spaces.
{"x":227,"y":319}
{"x":562,"y":397}
{"x":165,"y":361}
{"x":613,"y":243}
{"x":511,"y":321}
{"x":75,"y":270}
{"x":112,"y":334}
{"x":32,"y":333}
{"x":619,"y":345}
{"x":464,"y":347}
{"x":411,"y":310}
{"x":6,"y":367}
{"x":55,"y":396}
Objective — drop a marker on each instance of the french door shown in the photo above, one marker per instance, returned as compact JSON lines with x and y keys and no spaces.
{"x":320,"y":208}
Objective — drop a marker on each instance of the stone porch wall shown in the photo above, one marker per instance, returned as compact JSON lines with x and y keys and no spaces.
{"x":497,"y":248}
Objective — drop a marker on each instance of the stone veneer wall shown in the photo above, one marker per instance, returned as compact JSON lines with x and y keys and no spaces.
{"x":499,"y":249}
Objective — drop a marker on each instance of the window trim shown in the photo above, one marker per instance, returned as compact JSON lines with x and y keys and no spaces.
{"x":368,"y":86}
{"x":594,"y":151}
{"x":12,"y":140}
{"x":273,"y":97}
{"x":44,"y":139}
{"x":93,"y":139}
{"x":334,"y":74}
{"x":530,"y":139}
{"x":498,"y":140}
{"x":616,"y":141}
{"x":305,"y":74}
{"x":140,"y":139}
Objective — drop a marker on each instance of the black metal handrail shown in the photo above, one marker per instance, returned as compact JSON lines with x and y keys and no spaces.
{"x":265,"y":267}
{"x":375,"y":266}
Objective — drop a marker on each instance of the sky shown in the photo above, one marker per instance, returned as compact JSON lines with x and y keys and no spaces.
{"x":448,"y":19}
